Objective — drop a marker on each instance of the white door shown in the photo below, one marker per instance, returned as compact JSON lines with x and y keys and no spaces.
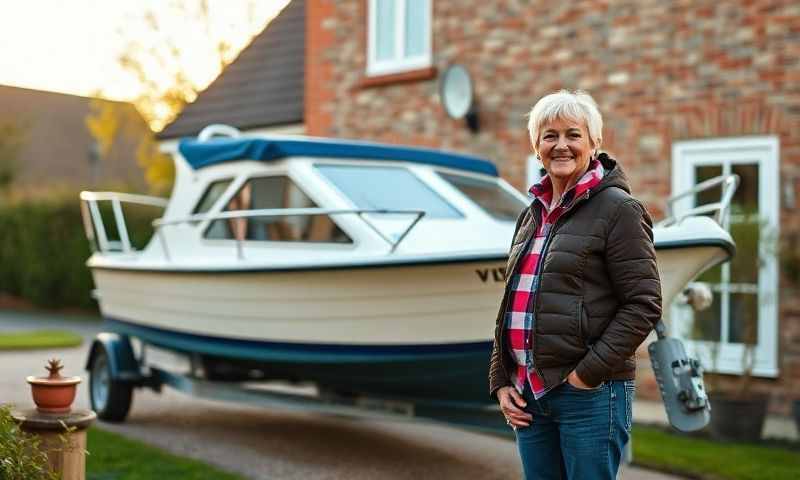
{"x":739,"y":331}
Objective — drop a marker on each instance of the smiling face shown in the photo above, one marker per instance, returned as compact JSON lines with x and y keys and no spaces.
{"x":565,"y":148}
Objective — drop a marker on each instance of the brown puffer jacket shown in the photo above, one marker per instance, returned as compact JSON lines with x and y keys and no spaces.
{"x":599,"y":294}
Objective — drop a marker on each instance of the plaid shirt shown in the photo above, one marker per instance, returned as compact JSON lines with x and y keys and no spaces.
{"x":519,"y":316}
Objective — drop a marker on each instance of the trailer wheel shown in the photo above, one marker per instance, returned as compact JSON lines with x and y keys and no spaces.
{"x":111,"y":399}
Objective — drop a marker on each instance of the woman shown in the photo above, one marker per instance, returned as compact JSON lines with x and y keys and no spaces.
{"x":582,"y":293}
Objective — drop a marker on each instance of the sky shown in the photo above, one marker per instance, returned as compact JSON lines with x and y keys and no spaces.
{"x":72,"y":46}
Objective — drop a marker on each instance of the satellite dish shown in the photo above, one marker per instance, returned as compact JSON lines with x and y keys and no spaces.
{"x":456,"y":91}
{"x":457,"y":95}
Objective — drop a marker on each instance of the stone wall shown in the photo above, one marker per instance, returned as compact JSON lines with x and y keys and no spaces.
{"x":660,"y":71}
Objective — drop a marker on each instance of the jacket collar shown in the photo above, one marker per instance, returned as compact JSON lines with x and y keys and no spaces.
{"x":591,"y":178}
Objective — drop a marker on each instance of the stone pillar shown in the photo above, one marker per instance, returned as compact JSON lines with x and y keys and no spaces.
{"x":69,"y":459}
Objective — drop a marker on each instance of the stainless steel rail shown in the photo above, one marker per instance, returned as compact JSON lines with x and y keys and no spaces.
{"x":98,"y":237}
{"x":729,"y":184}
{"x":289,"y":212}
{"x":93,"y":221}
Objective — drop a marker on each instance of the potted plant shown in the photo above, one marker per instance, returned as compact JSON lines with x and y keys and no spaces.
{"x":54,"y":393}
{"x":738,"y":412}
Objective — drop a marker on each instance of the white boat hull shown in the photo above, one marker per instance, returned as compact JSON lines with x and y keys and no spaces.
{"x":403,"y":305}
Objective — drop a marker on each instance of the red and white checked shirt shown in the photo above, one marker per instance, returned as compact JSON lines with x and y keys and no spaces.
{"x":524,"y":283}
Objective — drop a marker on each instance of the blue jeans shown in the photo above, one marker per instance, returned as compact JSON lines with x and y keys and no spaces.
{"x":576,"y":434}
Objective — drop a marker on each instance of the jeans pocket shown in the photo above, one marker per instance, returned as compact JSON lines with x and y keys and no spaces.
{"x":573,"y":388}
{"x":630,"y":394}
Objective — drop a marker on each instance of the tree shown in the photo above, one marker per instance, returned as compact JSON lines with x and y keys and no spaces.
{"x":177,"y":50}
{"x":162,"y":50}
{"x":108,"y":121}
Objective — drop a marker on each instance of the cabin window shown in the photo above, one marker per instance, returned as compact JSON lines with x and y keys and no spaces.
{"x":494,"y":199}
{"x":739,"y":331}
{"x":399,"y":36}
{"x":211,"y":195}
{"x":387,"y":188}
{"x":275,"y":193}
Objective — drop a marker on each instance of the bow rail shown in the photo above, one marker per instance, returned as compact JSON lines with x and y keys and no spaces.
{"x":97,"y":234}
{"x":729,"y":184}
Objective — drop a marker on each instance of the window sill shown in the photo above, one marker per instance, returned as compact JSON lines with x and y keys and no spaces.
{"x":416,"y":75}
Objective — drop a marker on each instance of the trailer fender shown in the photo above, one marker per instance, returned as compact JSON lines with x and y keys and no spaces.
{"x":121,"y":361}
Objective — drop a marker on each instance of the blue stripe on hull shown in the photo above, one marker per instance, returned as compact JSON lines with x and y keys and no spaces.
{"x":293,"y":352}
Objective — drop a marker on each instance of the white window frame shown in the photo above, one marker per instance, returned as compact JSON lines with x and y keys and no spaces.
{"x":399,"y":63}
{"x":764,"y":152}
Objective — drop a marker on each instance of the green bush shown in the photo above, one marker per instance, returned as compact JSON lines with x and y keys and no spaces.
{"x":43,"y":249}
{"x":20,"y":457}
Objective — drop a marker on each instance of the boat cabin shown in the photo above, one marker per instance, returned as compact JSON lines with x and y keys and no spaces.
{"x":295,"y":200}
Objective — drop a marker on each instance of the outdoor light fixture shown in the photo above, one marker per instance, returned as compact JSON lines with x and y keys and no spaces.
{"x":458,"y":96}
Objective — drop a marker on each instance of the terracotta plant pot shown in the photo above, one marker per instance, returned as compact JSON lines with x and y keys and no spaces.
{"x":54,"y":393}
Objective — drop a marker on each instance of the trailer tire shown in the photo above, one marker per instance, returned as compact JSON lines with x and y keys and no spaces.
{"x":110,"y":399}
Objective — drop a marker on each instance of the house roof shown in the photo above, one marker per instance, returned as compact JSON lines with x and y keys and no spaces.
{"x":262,"y":87}
{"x":57,"y":147}
{"x":218,"y":150}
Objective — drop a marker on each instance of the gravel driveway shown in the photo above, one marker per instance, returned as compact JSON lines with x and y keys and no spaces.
{"x":267,"y":444}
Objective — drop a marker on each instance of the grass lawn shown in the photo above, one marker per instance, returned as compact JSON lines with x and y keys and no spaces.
{"x":38,"y":339}
{"x":113,"y":457}
{"x":703,"y":458}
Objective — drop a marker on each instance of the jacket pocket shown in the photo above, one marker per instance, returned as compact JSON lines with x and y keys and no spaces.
{"x":583,"y":324}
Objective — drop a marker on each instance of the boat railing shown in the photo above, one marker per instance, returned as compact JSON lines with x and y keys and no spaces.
{"x":718,"y":209}
{"x":159,"y":224}
{"x":93,"y":221}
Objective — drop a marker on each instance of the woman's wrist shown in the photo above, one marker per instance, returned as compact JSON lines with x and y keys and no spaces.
{"x":576,"y":381}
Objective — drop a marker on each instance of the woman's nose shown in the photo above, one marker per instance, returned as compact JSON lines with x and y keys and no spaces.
{"x":562,"y":144}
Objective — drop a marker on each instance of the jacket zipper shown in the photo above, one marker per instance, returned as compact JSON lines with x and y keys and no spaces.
{"x":542,"y":256}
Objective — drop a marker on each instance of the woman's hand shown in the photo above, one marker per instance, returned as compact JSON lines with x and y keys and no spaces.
{"x":512,"y":404}
{"x":574,"y":380}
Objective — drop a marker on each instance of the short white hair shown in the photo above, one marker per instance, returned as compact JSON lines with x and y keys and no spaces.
{"x":563,"y":104}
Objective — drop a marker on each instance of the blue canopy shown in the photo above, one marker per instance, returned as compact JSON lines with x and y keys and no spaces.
{"x":217,"y":150}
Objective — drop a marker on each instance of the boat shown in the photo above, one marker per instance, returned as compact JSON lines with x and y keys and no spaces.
{"x":364,"y":269}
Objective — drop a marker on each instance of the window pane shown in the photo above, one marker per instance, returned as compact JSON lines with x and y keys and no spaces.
{"x":745,"y":226}
{"x":713,"y":194}
{"x":744,"y":318}
{"x":212,"y":194}
{"x":488,"y":195}
{"x":745,"y":264}
{"x":746,"y":197}
{"x":707,"y":322}
{"x":417,"y":26}
{"x":390,"y":188}
{"x":385,"y":24}
{"x":277,"y":192}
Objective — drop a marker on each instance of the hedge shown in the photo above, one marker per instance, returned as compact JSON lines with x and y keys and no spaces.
{"x":43,"y":249}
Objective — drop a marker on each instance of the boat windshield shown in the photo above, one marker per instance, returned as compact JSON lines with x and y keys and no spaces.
{"x":275,"y":192}
{"x":490,"y":196}
{"x":390,"y":188}
{"x":211,"y":195}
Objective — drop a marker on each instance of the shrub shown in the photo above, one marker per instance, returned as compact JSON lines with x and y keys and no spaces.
{"x":43,"y":249}
{"x":20,"y":457}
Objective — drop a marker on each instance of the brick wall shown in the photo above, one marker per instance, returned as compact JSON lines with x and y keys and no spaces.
{"x":660,"y":71}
